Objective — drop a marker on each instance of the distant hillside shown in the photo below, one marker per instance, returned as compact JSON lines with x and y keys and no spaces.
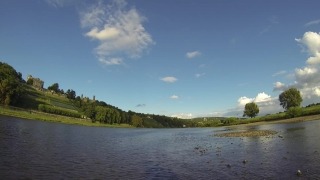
{"x":33,"y":97}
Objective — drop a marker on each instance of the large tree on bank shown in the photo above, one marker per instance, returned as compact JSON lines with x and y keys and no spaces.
{"x":10,"y":85}
{"x":251,"y":110}
{"x":290,"y":98}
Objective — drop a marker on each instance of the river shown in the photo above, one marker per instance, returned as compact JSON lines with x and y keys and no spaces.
{"x":32,"y":149}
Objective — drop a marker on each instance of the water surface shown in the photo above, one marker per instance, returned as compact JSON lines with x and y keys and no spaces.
{"x":41,"y":150}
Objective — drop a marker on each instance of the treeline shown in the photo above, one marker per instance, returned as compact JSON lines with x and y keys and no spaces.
{"x":100,"y":111}
{"x":313,"y":104}
{"x":163,"y":121}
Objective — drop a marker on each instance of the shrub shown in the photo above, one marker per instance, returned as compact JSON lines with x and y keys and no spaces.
{"x":294,"y":112}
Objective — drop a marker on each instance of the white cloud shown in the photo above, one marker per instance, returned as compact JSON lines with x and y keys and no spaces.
{"x":317,"y":91}
{"x":106,"y":33}
{"x":58,"y":3}
{"x":262,"y":97}
{"x":312,"y":41}
{"x":272,"y":21}
{"x":279,"y":86}
{"x":198,"y":75}
{"x":314,"y":60}
{"x":183,"y":115}
{"x":315,"y":22}
{"x":242,"y":101}
{"x":111,"y":61}
{"x":193,"y":54}
{"x":169,"y":79}
{"x":118,"y":29}
{"x":93,"y":15}
{"x":174,"y":97}
{"x":306,"y":74}
{"x":279,"y":73}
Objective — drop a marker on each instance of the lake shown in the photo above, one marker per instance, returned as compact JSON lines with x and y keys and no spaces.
{"x":32,"y":149}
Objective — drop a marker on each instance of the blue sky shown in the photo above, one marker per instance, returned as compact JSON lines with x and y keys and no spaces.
{"x":181,"y":58}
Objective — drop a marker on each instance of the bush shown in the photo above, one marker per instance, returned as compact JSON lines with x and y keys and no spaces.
{"x":229,"y":121}
{"x":273,"y":117}
{"x":58,"y":111}
{"x":294,"y":112}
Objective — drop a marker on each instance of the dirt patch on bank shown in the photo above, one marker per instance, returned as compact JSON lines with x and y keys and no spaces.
{"x":249,"y":133}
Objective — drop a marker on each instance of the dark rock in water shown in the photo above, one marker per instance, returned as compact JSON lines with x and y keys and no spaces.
{"x":228,"y":165}
{"x":280,"y":136}
{"x":244,"y":161}
{"x":299,"y":173}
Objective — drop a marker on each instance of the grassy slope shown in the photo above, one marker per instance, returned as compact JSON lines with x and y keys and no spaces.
{"x":36,"y":115}
{"x":32,"y":98}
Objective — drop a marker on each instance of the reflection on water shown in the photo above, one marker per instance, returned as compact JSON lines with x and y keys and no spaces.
{"x":41,"y":150}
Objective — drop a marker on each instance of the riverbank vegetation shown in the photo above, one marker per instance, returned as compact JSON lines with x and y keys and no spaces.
{"x":37,"y":115}
{"x":310,"y":112}
{"x":29,"y":99}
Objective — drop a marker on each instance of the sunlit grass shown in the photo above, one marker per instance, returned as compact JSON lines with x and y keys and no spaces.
{"x":36,"y":115}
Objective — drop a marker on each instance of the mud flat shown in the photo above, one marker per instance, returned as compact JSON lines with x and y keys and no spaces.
{"x":248,"y":133}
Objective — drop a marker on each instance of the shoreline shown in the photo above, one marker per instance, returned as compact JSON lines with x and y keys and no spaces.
{"x":260,"y":133}
{"x":36,"y":115}
{"x":284,"y":121}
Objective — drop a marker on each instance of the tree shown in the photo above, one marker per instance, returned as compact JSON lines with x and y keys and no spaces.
{"x":30,"y":81}
{"x":10,"y":85}
{"x":89,"y":112}
{"x":136,"y":121}
{"x":290,"y":98}
{"x":71,"y":94}
{"x":251,"y":110}
{"x":101,"y":114}
{"x":54,"y":87}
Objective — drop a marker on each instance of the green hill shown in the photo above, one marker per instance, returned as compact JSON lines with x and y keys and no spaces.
{"x":33,"y":97}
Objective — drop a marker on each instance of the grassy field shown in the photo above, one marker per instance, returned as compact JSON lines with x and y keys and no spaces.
{"x":36,"y":115}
